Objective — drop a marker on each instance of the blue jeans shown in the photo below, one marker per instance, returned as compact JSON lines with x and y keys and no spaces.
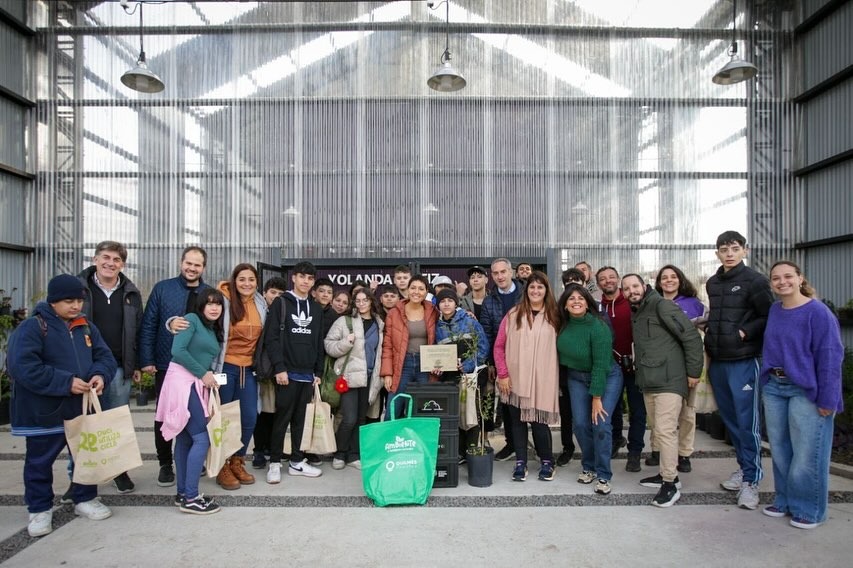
{"x":595,"y":440}
{"x":801,"y":442}
{"x":636,"y":414}
{"x":191,"y":448}
{"x":42,"y":451}
{"x":118,"y":392}
{"x":411,"y":374}
{"x":248,"y":397}
{"x":735,"y":385}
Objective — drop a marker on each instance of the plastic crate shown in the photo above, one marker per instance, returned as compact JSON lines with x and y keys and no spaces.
{"x":435,"y":399}
{"x":446,"y":473}
{"x":448,"y":443}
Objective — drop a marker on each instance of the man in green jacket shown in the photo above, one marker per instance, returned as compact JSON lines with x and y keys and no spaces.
{"x":669,"y":359}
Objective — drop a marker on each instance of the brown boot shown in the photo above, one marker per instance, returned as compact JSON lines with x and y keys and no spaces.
{"x":238,"y":469}
{"x":226,"y":479}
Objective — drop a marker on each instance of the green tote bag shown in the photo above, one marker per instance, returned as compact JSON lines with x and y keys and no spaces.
{"x":398,"y":458}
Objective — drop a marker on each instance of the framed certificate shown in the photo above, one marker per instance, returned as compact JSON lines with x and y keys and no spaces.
{"x":442,"y":357}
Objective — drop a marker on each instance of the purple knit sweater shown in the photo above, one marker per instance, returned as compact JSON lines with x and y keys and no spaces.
{"x":806,"y":342}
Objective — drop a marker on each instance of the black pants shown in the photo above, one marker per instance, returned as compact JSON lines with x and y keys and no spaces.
{"x":263,"y":432}
{"x":290,"y":402}
{"x":636,"y":416}
{"x":353,"y":409}
{"x":541,"y":436}
{"x":163,"y":447}
{"x":566,"y":412}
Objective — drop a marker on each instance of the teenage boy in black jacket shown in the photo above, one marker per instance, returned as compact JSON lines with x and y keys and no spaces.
{"x":740,"y":299}
{"x":295,"y":347}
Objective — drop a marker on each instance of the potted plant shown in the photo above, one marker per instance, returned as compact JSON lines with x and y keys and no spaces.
{"x":5,"y":396}
{"x":145,"y":389}
{"x":6,"y":302}
{"x":7,"y":323}
{"x":479,"y":457}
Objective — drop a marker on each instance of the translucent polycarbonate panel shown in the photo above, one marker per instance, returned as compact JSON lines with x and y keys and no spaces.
{"x":828,"y":268}
{"x":307,"y":130}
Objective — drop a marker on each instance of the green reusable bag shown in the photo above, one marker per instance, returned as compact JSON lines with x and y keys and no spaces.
{"x":398,"y":458}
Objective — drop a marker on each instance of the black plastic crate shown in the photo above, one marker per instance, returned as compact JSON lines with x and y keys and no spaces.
{"x":446,"y":473}
{"x":448,"y":443}
{"x":435,"y":399}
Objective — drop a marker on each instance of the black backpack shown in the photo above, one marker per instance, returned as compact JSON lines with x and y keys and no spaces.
{"x":261,"y":363}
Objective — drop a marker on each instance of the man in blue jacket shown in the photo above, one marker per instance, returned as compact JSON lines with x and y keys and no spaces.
{"x":740,"y":300}
{"x":169,"y":299}
{"x":506,"y":294}
{"x":53,"y":358}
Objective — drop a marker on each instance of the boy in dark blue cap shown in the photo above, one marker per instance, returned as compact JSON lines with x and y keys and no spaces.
{"x":49,"y":373}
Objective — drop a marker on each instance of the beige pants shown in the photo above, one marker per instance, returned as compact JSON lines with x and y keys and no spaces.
{"x":686,"y":427}
{"x":663,"y":410}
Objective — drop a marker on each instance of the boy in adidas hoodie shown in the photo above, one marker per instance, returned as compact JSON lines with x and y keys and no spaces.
{"x":295,"y":347}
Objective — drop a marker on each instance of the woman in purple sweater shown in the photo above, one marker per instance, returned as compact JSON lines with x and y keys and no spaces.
{"x":801,"y":390}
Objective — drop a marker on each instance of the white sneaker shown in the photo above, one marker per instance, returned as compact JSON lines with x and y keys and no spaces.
{"x":40,"y":523}
{"x":734,"y":482}
{"x":355,"y":463}
{"x":338,"y":464}
{"x":93,"y":510}
{"x":274,"y":473}
{"x":304,"y":468}
{"x":748,"y":496}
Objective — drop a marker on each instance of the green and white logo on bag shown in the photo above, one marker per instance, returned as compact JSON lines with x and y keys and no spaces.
{"x":218,"y":433}
{"x":100,"y":440}
{"x":402,"y":446}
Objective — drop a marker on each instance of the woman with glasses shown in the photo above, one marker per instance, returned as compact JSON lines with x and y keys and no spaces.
{"x":356,"y":344}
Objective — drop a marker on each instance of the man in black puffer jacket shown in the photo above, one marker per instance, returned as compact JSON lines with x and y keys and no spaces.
{"x":740,"y":299}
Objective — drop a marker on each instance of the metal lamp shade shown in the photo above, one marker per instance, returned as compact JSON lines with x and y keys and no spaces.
{"x":446,"y":79}
{"x":142,"y":79}
{"x":735,"y":71}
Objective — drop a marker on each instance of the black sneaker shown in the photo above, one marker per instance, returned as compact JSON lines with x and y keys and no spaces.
{"x":200,"y":506}
{"x":667,"y":496}
{"x":124,"y":484}
{"x":505,"y":454}
{"x":180,"y":499}
{"x":633,"y":464}
{"x":653,"y":459}
{"x":462,"y":460}
{"x":259,"y":461}
{"x":520,"y":471}
{"x":166,"y":477}
{"x":565,"y":458}
{"x":313,"y":459}
{"x":684,"y":464}
{"x":66,"y":498}
{"x":656,"y":481}
{"x":619,"y":442}
{"x":546,"y":472}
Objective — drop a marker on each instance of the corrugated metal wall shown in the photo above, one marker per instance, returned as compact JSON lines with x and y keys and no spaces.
{"x":826,"y":52}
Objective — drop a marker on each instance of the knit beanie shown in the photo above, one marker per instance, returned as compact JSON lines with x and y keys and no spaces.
{"x":447,"y":293}
{"x":65,"y":287}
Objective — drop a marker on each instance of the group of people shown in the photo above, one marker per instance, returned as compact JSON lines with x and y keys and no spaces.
{"x":552,"y":360}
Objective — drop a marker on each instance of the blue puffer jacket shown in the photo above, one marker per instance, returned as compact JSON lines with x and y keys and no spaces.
{"x":464,"y":323}
{"x":42,"y":364}
{"x":168,"y":299}
{"x":493,"y":313}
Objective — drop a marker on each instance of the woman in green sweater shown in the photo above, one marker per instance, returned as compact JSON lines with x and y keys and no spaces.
{"x":182,"y":405}
{"x":584,"y":347}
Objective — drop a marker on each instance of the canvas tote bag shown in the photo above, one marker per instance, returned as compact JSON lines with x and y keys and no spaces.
{"x":103,"y":442}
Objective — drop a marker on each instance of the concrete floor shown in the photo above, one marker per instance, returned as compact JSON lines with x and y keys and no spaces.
{"x":328,"y":522}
